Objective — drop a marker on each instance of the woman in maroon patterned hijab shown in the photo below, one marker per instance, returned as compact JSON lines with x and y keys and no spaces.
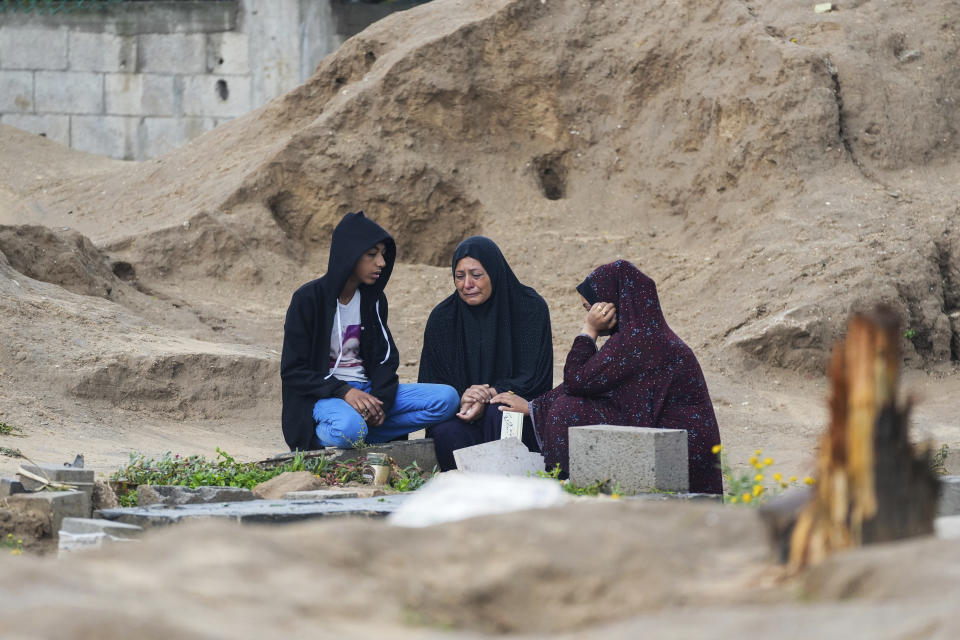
{"x":643,"y":376}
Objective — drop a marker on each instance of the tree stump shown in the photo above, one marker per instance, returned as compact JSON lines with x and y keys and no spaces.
{"x":872,"y":484}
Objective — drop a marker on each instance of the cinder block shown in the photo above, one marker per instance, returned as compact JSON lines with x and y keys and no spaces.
{"x":10,"y":486}
{"x":180,"y":53}
{"x":638,"y":458}
{"x":163,"y":135}
{"x":68,"y":92}
{"x":54,"y":127}
{"x":949,"y":504}
{"x":24,"y":48}
{"x":507,"y":457}
{"x":16,"y":91}
{"x":57,"y":504}
{"x":113,"y":136}
{"x":227,"y":53}
{"x":136,"y":94}
{"x":217,"y":96}
{"x":101,"y":52}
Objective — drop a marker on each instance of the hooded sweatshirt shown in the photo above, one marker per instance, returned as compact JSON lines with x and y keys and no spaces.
{"x":311,"y":317}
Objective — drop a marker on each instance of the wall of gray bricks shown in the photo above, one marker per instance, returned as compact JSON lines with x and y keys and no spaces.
{"x":135,"y":80}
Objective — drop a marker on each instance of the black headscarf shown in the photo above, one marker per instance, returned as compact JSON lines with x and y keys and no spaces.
{"x":505,"y":342}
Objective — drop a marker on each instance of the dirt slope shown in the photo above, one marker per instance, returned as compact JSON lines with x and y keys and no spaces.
{"x":772,"y":168}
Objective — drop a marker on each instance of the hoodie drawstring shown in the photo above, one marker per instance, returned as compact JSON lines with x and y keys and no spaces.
{"x":339,"y":333}
{"x":384,"y":329}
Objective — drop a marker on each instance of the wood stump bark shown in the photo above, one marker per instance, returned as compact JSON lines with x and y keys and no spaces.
{"x":872,"y":484}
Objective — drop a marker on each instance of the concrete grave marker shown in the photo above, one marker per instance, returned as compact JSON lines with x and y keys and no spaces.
{"x":949,"y":503}
{"x":506,"y":457}
{"x":639,"y":459}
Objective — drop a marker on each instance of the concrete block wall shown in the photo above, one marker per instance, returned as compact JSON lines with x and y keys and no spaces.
{"x":136,"y":80}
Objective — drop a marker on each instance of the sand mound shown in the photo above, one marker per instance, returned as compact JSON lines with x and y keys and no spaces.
{"x":641,"y":570}
{"x":762,"y":162}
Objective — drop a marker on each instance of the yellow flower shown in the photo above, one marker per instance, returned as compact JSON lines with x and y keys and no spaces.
{"x":758,"y":477}
{"x":733,"y":500}
{"x":753,"y":460}
{"x":16,"y":552}
{"x":746,"y":497}
{"x":777,"y":477}
{"x":717,"y":448}
{"x":768,"y":461}
{"x":793,"y":478}
{"x":758,"y":452}
{"x":757,"y":489}
{"x":615,"y":496}
{"x":808,"y":480}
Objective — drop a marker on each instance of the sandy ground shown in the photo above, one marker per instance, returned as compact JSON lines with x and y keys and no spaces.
{"x":142,"y":303}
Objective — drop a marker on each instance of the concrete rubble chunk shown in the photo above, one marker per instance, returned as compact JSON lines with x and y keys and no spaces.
{"x":639,"y":459}
{"x":949,"y":504}
{"x":176,"y":495}
{"x":281,"y":485}
{"x":255,"y":511}
{"x":507,"y":457}
{"x":56,"y":504}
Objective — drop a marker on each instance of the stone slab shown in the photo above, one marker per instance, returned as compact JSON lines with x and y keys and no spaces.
{"x":10,"y":486}
{"x":949,"y":504}
{"x":73,"y":542}
{"x":321,"y":494}
{"x":663,"y":496}
{"x":947,"y":527}
{"x":506,"y":457}
{"x":99,"y":525}
{"x":255,"y":511}
{"x":57,"y":504}
{"x":368,"y":491}
{"x":403,"y":452}
{"x":174,"y":495}
{"x":639,"y":459}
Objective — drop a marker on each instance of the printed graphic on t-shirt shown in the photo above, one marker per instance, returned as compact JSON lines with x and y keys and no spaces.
{"x":351,"y":350}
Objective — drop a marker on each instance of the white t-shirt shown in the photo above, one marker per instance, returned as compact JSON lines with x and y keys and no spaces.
{"x":350,"y":367}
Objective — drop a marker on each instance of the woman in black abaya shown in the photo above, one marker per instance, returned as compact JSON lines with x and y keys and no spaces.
{"x":490,"y":336}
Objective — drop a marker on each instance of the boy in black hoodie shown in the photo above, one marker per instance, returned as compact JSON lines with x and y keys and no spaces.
{"x":339,"y":362}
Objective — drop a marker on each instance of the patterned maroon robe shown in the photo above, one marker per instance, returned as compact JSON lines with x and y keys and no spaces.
{"x":644,"y":376}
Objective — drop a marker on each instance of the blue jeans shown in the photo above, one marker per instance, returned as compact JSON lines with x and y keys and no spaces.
{"x":415,"y":407}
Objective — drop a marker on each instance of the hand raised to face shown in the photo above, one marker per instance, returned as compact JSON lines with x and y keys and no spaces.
{"x":601,"y":319}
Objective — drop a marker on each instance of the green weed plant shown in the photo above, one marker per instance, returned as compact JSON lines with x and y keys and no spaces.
{"x":599,"y":487}
{"x":226,"y":471}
